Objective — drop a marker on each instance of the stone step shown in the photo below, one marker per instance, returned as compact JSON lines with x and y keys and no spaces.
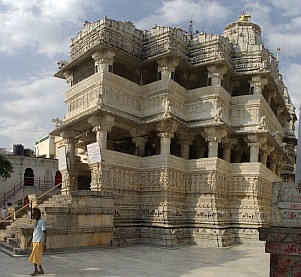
{"x":10,"y":250}
{"x":7,"y":246}
{"x":13,"y":242}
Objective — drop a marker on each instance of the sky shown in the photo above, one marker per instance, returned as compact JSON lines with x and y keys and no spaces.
{"x":35,"y":35}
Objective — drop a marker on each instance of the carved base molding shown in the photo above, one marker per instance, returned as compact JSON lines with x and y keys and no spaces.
{"x":159,"y":207}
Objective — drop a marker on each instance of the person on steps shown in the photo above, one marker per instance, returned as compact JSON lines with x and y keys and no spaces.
{"x":38,"y":240}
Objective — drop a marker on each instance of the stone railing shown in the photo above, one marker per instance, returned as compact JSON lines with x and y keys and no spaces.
{"x":246,"y":111}
{"x":204,"y":102}
{"x":246,"y":169}
{"x":83,"y":96}
{"x":207,"y":164}
{"x":120,"y":159}
{"x":121,"y":94}
{"x":110,"y":90}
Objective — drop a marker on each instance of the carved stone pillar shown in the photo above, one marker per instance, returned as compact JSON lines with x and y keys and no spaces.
{"x":216,"y":73}
{"x":258,"y":84}
{"x":167,"y":67}
{"x":69,"y":175}
{"x":96,"y":176}
{"x":140,"y":143}
{"x":267,"y":149}
{"x":101,"y":126}
{"x":255,"y":141}
{"x":186,"y":141}
{"x":254,"y":151}
{"x":213,"y":135}
{"x":166,"y":130}
{"x":103,"y":60}
{"x":165,"y":142}
{"x":228,"y":144}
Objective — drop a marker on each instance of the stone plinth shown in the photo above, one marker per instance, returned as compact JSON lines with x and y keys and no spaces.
{"x":85,"y":220}
{"x":283,"y":237}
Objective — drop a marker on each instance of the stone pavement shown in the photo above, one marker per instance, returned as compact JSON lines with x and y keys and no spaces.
{"x":146,"y":261}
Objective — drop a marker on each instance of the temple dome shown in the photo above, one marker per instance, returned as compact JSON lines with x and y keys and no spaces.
{"x":243,"y":33}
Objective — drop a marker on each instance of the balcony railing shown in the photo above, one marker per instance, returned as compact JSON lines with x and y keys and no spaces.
{"x":110,"y":90}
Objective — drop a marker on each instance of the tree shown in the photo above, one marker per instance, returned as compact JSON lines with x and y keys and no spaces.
{"x":6,"y":167}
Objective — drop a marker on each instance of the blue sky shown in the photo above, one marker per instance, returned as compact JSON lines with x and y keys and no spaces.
{"x":35,"y":34}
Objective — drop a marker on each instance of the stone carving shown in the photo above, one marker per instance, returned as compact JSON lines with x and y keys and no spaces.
{"x":166,"y":107}
{"x":262,"y":123}
{"x":219,"y":114}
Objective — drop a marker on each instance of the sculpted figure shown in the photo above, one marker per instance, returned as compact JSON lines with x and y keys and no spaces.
{"x":219,"y":114}
{"x":262,"y":123}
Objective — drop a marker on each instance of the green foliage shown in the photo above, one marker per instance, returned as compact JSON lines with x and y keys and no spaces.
{"x":6,"y":168}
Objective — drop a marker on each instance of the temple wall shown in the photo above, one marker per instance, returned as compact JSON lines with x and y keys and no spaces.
{"x":208,"y":198}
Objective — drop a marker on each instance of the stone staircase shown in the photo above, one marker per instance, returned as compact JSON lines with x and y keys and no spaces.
{"x":8,"y":237}
{"x":83,"y":219}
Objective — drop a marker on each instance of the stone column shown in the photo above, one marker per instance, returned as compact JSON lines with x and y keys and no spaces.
{"x":228,"y":144}
{"x":258,"y":83}
{"x":101,"y":126}
{"x":140,"y":143}
{"x":165,"y":142}
{"x":213,"y":135}
{"x":96,"y":176}
{"x":255,"y":141}
{"x":216,"y":73}
{"x":103,"y":60}
{"x":254,"y":151}
{"x":266,"y":150}
{"x":69,"y":175}
{"x":186,"y":141}
{"x":167,"y":67}
{"x":166,"y":130}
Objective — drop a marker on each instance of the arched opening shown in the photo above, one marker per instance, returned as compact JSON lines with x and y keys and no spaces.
{"x":58,"y":178}
{"x":28,"y":177}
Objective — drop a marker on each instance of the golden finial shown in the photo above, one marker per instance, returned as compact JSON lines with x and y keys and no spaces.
{"x":244,"y":17}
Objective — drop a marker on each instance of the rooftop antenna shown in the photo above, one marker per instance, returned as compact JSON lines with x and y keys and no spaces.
{"x":190,"y":28}
{"x":278,"y":51}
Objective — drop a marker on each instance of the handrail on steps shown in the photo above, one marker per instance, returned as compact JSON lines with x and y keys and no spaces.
{"x":30,"y":203}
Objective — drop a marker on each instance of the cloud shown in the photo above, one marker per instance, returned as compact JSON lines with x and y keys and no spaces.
{"x":43,"y":25}
{"x":288,"y":8}
{"x":179,"y":11}
{"x":291,"y":73}
{"x":27,"y":108}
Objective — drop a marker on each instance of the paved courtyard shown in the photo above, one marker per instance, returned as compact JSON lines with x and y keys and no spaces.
{"x":242,"y":260}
